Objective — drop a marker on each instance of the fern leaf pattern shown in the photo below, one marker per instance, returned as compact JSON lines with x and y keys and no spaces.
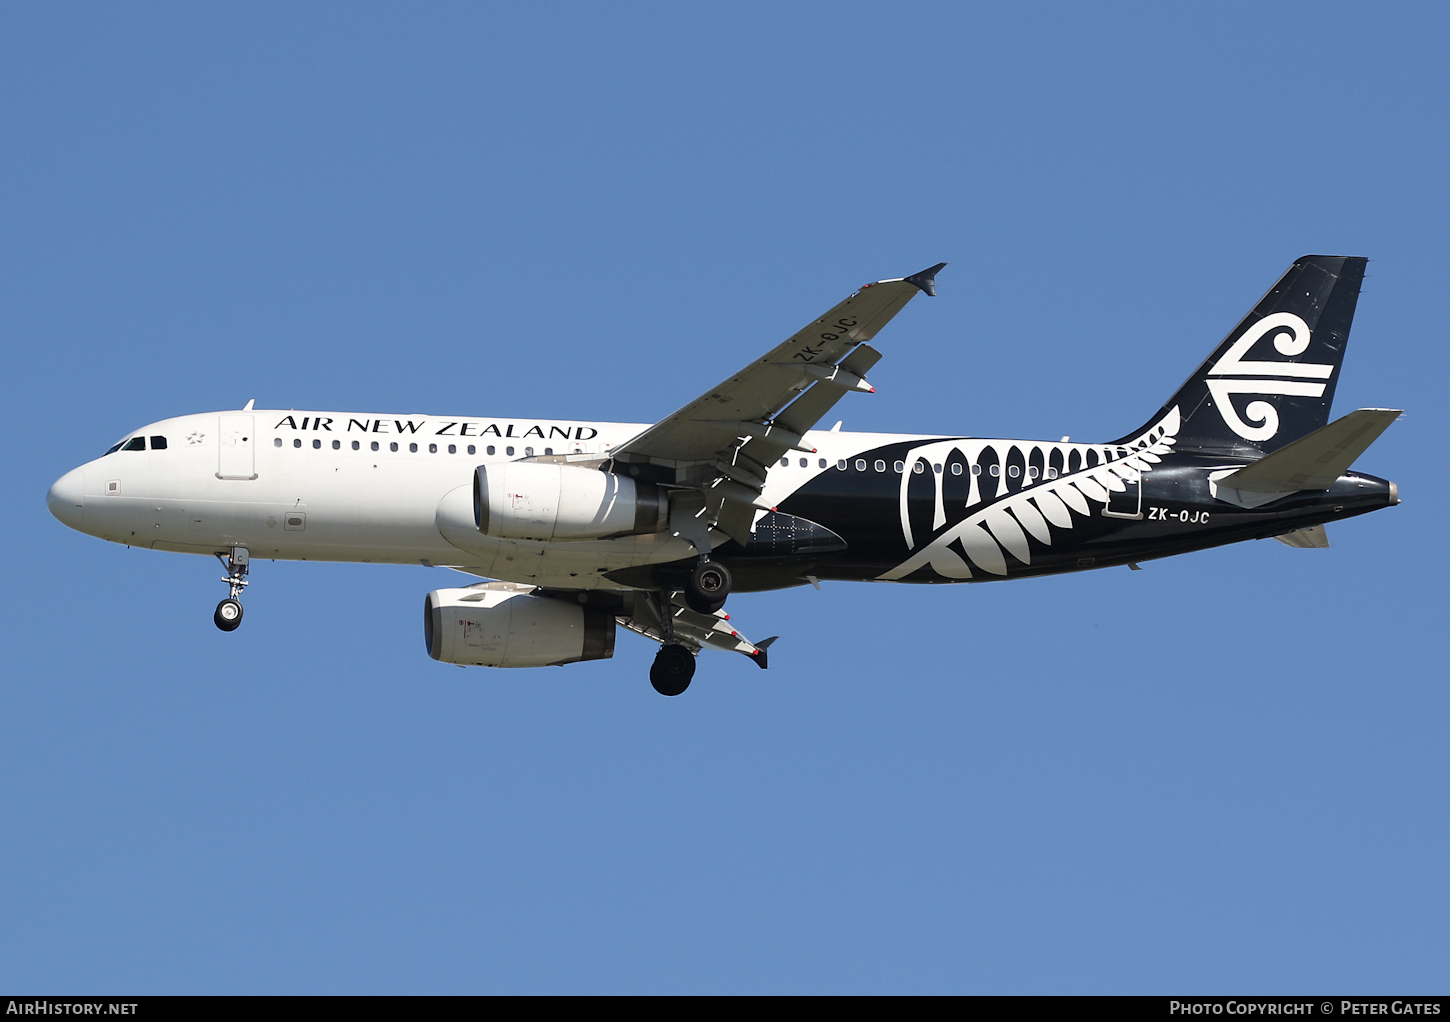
{"x":1057,"y":482}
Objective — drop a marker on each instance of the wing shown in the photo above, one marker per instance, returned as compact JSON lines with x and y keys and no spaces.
{"x":722,"y":442}
{"x":700,"y":631}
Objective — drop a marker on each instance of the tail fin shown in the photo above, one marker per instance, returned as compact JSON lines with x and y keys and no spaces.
{"x":1272,"y":379}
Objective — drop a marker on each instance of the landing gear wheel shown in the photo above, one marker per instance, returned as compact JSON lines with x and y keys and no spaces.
{"x":228,"y":616}
{"x":672,"y":670}
{"x":708,"y":587}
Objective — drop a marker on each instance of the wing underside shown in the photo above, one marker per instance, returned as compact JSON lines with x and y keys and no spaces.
{"x":700,"y":631}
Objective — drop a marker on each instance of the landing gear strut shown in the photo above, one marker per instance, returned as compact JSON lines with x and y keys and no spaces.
{"x":228,"y":616}
{"x":708,"y":587}
{"x":674,"y":664}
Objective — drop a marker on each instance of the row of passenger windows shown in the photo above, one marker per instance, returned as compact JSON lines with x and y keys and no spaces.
{"x":956,"y":469}
{"x":138,"y":443}
{"x":413,"y":448}
{"x":158,"y":443}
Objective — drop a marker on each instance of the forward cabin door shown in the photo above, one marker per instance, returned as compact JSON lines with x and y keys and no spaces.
{"x":234,"y":448}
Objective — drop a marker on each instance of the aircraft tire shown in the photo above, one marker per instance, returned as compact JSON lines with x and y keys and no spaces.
{"x":708,"y":587}
{"x":672,"y":670}
{"x":228,"y":616}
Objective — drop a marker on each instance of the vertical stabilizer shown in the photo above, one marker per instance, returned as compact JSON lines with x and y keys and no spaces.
{"x":1271,"y":380}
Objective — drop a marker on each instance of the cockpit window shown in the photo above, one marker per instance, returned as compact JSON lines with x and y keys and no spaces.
{"x":135,"y":444}
{"x":114,"y":448}
{"x":158,"y":443}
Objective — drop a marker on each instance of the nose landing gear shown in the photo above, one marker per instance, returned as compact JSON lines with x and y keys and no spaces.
{"x":228,"y":616}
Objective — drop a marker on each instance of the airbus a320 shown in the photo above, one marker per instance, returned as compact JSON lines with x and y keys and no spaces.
{"x":581,"y":528}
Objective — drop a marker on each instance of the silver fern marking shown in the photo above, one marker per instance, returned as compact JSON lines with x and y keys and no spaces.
{"x":1033,"y":511}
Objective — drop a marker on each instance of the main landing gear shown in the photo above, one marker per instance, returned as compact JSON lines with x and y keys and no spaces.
{"x":674,"y":664}
{"x":705,"y":592}
{"x":672,"y":670}
{"x":228,"y":616}
{"x":707,"y":587}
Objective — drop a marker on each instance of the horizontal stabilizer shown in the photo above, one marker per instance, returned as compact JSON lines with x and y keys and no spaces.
{"x":1315,"y":461}
{"x":1312,"y":538}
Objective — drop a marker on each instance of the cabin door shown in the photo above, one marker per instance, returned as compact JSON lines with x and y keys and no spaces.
{"x":1126,"y":501}
{"x":235,"y":445}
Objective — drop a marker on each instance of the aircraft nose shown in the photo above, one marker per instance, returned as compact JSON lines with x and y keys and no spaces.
{"x":67,"y":498}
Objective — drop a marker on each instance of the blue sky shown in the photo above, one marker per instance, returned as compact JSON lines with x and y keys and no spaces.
{"x":1225,"y":773}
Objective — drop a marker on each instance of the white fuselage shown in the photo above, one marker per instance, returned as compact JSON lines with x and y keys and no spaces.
{"x":291,"y":485}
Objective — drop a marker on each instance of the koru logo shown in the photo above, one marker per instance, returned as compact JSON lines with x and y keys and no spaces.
{"x":1291,"y":337}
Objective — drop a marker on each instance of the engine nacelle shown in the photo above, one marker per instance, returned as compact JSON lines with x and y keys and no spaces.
{"x":498,"y":624}
{"x":549,"y":503}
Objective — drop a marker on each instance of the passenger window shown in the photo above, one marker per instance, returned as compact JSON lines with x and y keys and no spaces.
{"x":528,"y":452}
{"x":317,"y":445}
{"x":297,"y":442}
{"x":860,"y":464}
{"x":432,"y":448}
{"x":548,"y":450}
{"x":898,"y":466}
{"x":374,"y":445}
{"x":1032,"y":472}
{"x":452,"y":448}
{"x":471,"y":449}
{"x":976,"y":470}
{"x":158,"y":443}
{"x":956,"y":468}
{"x":393,"y":447}
{"x":918,"y":467}
{"x":1052,"y":473}
{"x":821,"y":463}
{"x":489,"y":449}
{"x":995,"y":471}
{"x":138,"y":444}
{"x":805,"y":463}
{"x":337,"y":445}
{"x":880,"y":465}
{"x":785,"y":463}
{"x":413,"y":448}
{"x":277,"y":441}
{"x":841,"y":466}
{"x":356,"y":445}
{"x":1013,"y":471}
{"x":509,"y":451}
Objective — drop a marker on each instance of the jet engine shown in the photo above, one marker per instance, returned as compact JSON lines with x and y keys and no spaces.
{"x":547,"y":502}
{"x":499,"y":624}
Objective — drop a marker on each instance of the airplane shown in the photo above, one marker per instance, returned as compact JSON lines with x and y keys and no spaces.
{"x":581,"y":528}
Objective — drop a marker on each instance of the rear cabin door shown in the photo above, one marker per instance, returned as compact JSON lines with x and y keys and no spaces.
{"x":234,"y":448}
{"x":1127,"y":503}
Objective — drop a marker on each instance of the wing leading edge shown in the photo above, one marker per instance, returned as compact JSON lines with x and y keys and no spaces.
{"x":722,"y":443}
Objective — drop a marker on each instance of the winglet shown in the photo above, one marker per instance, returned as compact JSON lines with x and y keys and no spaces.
{"x":926,"y":279}
{"x":760,"y":651}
